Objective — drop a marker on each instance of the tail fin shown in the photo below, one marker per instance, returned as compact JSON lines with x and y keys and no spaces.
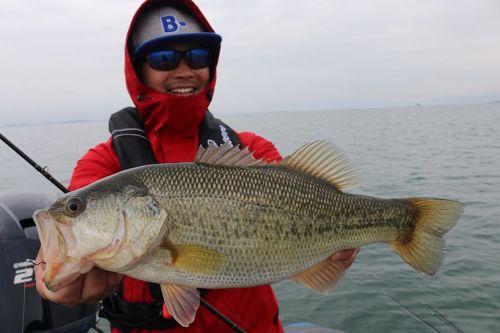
{"x":424,"y":247}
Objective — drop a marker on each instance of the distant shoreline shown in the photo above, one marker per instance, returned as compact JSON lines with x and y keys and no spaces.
{"x":416,"y":105}
{"x":62,"y":122}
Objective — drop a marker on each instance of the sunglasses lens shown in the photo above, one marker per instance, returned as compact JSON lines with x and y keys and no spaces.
{"x":198,"y":58}
{"x":167,"y":60}
{"x":164,"y":60}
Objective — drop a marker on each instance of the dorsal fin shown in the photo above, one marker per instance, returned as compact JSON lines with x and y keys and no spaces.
{"x":227,"y":155}
{"x":322,"y":159}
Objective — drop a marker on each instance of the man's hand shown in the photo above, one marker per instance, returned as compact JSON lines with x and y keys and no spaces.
{"x":87,"y":288}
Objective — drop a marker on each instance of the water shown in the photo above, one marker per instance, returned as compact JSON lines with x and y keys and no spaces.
{"x":449,"y":152}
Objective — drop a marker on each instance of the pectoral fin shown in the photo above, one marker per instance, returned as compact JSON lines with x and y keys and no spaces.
{"x":195,"y":258}
{"x":322,"y":277}
{"x":182,"y":302}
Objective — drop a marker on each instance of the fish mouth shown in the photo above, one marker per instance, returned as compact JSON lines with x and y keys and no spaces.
{"x":57,"y":242}
{"x":59,"y":275}
{"x":52,"y":241}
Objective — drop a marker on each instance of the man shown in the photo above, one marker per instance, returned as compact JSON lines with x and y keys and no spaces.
{"x":170,"y":68}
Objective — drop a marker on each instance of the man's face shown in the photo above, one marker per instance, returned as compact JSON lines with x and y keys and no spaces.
{"x":182,"y":80}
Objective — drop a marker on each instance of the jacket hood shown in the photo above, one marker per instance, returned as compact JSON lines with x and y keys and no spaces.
{"x":183,"y":114}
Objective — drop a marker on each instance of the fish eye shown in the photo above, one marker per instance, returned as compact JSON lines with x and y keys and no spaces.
{"x":74,"y":206}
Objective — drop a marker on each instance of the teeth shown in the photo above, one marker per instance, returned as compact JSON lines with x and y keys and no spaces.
{"x":181,"y":90}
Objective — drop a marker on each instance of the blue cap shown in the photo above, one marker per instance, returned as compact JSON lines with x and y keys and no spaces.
{"x":158,"y":26}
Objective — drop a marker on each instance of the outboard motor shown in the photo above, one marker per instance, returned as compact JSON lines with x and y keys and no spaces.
{"x":21,"y":307}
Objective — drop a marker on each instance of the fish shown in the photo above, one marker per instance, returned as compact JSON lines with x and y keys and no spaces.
{"x":228,"y":220}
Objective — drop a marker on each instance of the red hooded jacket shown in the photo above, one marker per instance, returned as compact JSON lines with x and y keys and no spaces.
{"x":171,"y":123}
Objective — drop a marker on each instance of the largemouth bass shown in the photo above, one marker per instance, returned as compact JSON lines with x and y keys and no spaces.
{"x":228,"y":220}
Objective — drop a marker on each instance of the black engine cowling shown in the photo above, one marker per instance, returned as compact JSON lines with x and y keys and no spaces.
{"x":21,"y":307}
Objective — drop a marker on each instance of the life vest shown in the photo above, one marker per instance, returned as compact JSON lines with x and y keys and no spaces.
{"x":133,"y":149}
{"x":132,"y":145}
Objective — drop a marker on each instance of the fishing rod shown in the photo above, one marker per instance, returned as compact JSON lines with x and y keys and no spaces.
{"x":444,"y":319}
{"x":63,"y":188}
{"x":412,"y":313}
{"x":38,"y":168}
{"x":435,"y":313}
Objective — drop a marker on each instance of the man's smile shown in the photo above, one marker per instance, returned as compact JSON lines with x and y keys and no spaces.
{"x":183,"y":91}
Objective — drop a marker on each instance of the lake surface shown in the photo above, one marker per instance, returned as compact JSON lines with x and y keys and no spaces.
{"x":450,"y":152}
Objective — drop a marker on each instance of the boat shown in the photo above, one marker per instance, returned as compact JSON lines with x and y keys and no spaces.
{"x":22,"y":309}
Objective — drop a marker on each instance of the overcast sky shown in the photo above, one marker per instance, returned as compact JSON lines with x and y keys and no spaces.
{"x":62,"y":60}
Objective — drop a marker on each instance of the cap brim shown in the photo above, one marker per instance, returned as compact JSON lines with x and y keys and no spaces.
{"x":206,"y":39}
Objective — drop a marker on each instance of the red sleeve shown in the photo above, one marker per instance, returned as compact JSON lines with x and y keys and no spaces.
{"x":97,"y":163}
{"x":262,"y":148}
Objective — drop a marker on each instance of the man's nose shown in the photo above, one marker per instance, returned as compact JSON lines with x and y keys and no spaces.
{"x":183,"y":70}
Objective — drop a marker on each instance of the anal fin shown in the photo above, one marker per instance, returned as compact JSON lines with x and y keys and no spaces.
{"x":182,"y":302}
{"x":323,"y":277}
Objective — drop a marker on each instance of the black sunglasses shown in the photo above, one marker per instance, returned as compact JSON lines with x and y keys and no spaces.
{"x":166,"y":60}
